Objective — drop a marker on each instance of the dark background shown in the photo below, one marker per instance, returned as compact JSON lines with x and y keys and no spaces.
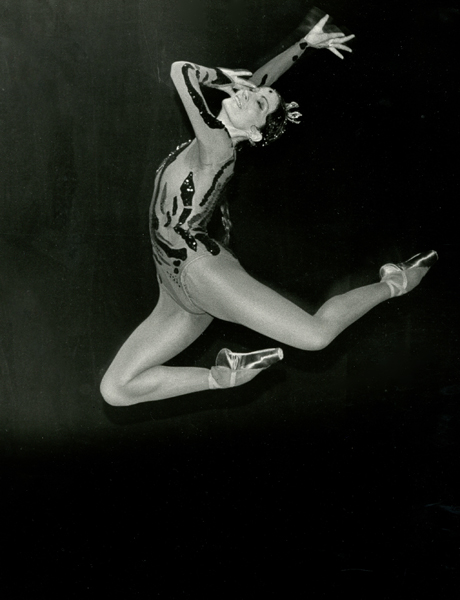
{"x":334,"y":471}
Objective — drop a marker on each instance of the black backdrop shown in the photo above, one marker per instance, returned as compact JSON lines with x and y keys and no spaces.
{"x":87,"y":113}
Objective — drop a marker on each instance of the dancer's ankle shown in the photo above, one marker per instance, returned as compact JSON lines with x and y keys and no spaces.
{"x":397,"y":283}
{"x":213,"y":385}
{"x":223,"y":377}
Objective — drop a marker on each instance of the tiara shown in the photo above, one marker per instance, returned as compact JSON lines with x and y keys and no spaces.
{"x":293,"y":115}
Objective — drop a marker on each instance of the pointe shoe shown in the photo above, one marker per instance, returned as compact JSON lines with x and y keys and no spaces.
{"x":236,"y":368}
{"x":424,"y":260}
{"x":260,"y":359}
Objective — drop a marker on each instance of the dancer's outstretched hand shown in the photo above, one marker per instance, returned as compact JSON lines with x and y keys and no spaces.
{"x":317,"y":38}
{"x":237,"y":81}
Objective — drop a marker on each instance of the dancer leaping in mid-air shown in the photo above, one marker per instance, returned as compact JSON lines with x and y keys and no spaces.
{"x":199,"y":279}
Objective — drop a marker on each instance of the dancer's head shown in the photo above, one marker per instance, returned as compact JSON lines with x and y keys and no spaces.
{"x":259,"y":115}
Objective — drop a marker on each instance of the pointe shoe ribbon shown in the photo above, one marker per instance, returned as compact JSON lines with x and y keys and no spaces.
{"x":260,"y":359}
{"x":397,"y":288}
{"x":423,"y":259}
{"x":245,"y":366}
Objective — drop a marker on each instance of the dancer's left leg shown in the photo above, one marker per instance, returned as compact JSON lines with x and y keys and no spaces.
{"x":138,"y":373}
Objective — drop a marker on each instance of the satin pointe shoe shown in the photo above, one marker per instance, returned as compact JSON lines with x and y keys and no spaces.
{"x":397,"y":288}
{"x":260,"y":359}
{"x":236,"y":368}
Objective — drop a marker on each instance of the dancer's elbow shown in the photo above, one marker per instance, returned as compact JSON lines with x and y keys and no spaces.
{"x":176,"y":68}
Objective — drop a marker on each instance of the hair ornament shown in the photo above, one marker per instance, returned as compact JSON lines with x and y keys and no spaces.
{"x":277,"y":121}
{"x":293,"y":115}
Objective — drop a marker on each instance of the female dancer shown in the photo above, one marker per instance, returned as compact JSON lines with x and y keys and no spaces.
{"x":199,"y":279}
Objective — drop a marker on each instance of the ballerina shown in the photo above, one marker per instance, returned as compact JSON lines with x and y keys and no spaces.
{"x":199,"y":278}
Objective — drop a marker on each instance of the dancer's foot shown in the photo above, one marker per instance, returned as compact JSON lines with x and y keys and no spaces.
{"x":404,"y":277}
{"x":236,"y":368}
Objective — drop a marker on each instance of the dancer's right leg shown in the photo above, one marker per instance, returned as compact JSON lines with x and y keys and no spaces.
{"x":231,"y":294}
{"x":138,"y":374}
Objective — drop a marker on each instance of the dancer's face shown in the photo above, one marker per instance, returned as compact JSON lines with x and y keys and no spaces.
{"x":250,"y":108}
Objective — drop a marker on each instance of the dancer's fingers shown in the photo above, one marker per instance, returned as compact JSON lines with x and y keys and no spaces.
{"x":244,"y":83}
{"x":347,"y":38}
{"x":339,"y":34}
{"x":334,"y":51}
{"x":342,"y":47}
{"x":240,"y":72}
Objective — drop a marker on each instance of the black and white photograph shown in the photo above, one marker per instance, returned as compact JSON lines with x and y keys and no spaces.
{"x":229,"y":299}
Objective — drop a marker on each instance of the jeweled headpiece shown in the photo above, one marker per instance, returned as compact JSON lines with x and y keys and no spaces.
{"x":276,"y":122}
{"x":293,"y":115}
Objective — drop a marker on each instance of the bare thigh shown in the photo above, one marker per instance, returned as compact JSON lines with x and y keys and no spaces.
{"x":163,"y":335}
{"x":226,"y":291}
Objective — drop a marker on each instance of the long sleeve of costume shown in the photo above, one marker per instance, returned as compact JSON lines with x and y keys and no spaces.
{"x":212,"y":137}
{"x":277,"y":66}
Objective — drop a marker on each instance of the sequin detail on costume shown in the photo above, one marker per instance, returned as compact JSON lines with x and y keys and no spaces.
{"x":154,"y":222}
{"x":187,"y":191}
{"x":210,"y":120}
{"x":215,"y":181}
{"x":172,"y":156}
{"x":211,"y":246}
{"x":180,"y":253}
{"x":187,"y":237}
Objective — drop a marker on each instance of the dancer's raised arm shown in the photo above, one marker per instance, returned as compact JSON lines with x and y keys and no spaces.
{"x":315,"y":38}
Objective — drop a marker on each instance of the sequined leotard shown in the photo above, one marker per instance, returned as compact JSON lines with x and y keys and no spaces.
{"x":189,"y":181}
